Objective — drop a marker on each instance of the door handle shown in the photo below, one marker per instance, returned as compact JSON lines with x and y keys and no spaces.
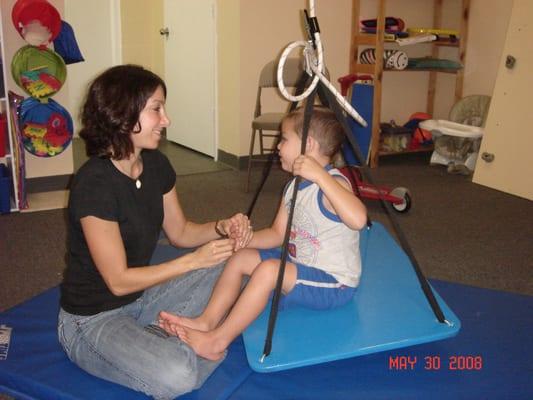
{"x":164,"y":32}
{"x":510,"y":61}
{"x":487,"y":157}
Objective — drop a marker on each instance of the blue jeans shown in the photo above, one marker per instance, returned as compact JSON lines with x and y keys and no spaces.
{"x":114,"y":345}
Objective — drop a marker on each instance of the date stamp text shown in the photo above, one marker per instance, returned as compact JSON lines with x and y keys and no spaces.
{"x":436,"y":362}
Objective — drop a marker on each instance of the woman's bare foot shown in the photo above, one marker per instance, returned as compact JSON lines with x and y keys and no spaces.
{"x":169,"y":322}
{"x":204,"y":344}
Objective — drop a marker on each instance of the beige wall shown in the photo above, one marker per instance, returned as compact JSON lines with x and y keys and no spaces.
{"x":144,"y":45}
{"x":228,"y":75}
{"x":264,"y":28}
{"x":251,"y":32}
{"x":100,"y":47}
{"x":35,"y":166}
{"x":489,"y":20}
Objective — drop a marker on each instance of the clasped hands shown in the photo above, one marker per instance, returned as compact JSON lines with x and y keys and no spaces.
{"x":238,"y":228}
{"x":239,"y":233}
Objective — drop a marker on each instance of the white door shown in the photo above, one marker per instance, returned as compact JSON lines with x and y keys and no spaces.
{"x":190,"y":73}
{"x":508,"y":129}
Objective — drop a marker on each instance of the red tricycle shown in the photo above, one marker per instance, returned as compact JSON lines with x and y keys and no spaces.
{"x":399,"y":197}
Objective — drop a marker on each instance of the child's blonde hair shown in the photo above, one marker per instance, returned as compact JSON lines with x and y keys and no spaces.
{"x":323,"y":127}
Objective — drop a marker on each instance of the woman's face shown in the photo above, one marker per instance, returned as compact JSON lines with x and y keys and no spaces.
{"x":152,"y":120}
{"x":289,"y":146}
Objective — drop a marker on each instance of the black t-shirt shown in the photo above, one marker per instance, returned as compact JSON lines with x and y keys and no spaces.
{"x":101,"y":190}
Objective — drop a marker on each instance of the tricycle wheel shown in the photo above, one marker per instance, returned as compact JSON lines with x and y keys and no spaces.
{"x":402,"y":193}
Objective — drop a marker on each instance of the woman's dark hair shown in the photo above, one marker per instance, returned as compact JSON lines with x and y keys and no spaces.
{"x":112,"y":107}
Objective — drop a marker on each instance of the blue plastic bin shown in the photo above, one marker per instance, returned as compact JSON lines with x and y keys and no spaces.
{"x":6,"y":188}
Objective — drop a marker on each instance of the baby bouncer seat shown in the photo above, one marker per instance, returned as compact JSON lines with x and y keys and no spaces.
{"x":457,"y":140}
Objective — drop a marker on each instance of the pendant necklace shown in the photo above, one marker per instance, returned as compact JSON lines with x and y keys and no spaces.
{"x":138,"y":182}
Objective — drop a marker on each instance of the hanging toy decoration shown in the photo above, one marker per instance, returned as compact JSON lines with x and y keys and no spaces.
{"x":37,"y":21}
{"x":46,"y":127}
{"x":39,"y":72}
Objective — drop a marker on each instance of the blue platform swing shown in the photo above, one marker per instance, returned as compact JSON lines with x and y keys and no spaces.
{"x":389,"y":309}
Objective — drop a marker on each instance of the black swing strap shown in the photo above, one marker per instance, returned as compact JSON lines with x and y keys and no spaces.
{"x":399,"y":233}
{"x":285,"y":248}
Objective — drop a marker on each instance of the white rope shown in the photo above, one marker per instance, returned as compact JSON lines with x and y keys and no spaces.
{"x":314,"y":66}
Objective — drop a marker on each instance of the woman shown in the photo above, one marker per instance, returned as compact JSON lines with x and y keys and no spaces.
{"x":120,"y":200}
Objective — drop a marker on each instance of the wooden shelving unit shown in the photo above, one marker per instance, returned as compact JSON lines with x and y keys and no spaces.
{"x":377,"y":41}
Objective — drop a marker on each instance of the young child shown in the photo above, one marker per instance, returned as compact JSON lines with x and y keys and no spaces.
{"x":323,"y":267}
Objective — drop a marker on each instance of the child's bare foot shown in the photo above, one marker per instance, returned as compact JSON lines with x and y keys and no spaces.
{"x":169,"y":322}
{"x":204,"y":344}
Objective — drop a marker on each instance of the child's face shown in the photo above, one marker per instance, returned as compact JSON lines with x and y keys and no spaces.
{"x":289,"y":146}
{"x":153,"y":119}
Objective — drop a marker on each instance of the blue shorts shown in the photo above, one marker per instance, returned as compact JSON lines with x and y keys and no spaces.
{"x":314,"y":288}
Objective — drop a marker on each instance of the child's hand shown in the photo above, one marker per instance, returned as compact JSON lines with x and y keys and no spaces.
{"x":238,"y":228}
{"x":308,"y":168}
{"x":242,"y":241}
{"x":235,"y":226}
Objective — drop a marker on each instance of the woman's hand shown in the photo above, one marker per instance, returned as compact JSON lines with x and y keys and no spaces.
{"x":213,"y":253}
{"x":238,"y":227}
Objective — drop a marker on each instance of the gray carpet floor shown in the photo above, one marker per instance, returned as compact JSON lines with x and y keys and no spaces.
{"x":459,"y":231}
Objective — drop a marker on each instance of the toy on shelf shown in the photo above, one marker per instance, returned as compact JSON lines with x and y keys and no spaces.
{"x":394,"y":27}
{"x":409,"y":136}
{"x":414,"y":39}
{"x":394,"y":138}
{"x":392,"y":59}
{"x":428,"y":63}
{"x":442,"y":35}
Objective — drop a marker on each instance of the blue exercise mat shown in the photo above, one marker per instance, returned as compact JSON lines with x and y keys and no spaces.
{"x":496,"y":333}
{"x":37,"y":368}
{"x":388,"y":311}
{"x":496,"y":326}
